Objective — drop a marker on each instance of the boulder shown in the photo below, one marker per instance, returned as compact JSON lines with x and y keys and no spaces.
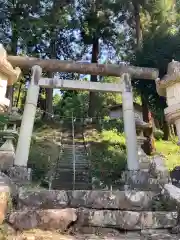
{"x":124,"y":200}
{"x":43,"y":219}
{"x":42,"y":199}
{"x":128,"y":220}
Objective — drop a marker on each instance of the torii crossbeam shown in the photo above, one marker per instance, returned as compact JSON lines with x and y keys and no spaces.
{"x":54,"y":65}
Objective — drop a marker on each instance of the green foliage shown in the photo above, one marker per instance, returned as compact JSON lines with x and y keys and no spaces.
{"x":43,"y":153}
{"x":108,"y":124}
{"x":108,"y":158}
{"x":171,"y":152}
{"x":158,"y":134}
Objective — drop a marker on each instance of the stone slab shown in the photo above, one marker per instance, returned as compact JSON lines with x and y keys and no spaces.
{"x":50,"y":219}
{"x":6,"y":160}
{"x":158,"y":234}
{"x":124,"y":200}
{"x":172,"y":193}
{"x":5,"y":181}
{"x":42,"y":199}
{"x":96,"y":199}
{"x":140,"y":180}
{"x":127,"y":220}
{"x":38,"y":235}
{"x":159,"y":170}
{"x":18,"y":173}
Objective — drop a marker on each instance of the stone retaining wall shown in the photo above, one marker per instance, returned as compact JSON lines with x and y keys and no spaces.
{"x":90,"y":210}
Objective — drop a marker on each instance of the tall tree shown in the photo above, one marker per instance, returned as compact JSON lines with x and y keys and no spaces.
{"x":98,"y":22}
{"x":159,"y":23}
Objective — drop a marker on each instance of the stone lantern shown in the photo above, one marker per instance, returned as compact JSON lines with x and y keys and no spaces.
{"x":144,"y":160}
{"x":10,"y":135}
{"x":169,"y":87}
{"x":8,"y":76}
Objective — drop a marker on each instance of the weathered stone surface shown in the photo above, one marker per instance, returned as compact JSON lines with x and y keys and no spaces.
{"x":19,"y":173}
{"x":162,"y":234}
{"x":37,"y":234}
{"x":42,"y":199}
{"x":125,"y":200}
{"x":43,"y":219}
{"x":94,"y":230}
{"x":6,"y":181}
{"x":140,"y":180}
{"x":127,"y":219}
{"x":159,"y":170}
{"x":40,"y":235}
{"x":172,"y":193}
{"x":4,"y":199}
{"x":6,"y":159}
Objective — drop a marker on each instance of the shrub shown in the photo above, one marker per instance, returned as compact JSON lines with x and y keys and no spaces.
{"x":42,"y":156}
{"x":108,"y":124}
{"x":108,"y":157}
{"x":158,"y":134}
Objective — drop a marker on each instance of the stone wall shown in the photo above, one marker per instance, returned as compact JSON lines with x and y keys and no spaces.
{"x":141,"y":213}
{"x":123,"y":210}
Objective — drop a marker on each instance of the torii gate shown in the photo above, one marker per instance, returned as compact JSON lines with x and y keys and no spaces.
{"x":124,"y":87}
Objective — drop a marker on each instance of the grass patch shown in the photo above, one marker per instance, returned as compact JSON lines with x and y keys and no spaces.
{"x":171,"y":152}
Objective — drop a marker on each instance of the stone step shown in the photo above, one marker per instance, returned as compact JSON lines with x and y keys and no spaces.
{"x":58,"y":185}
{"x":69,"y":166}
{"x":92,"y":199}
{"x":58,"y":236}
{"x":67,"y":175}
{"x":60,"y":219}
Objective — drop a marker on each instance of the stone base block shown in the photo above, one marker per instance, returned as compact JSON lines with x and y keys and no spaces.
{"x":6,"y":160}
{"x":20,"y":174}
{"x":140,"y":180}
{"x":124,"y":200}
{"x":159,"y":170}
{"x":50,"y":219}
{"x":127,"y":220}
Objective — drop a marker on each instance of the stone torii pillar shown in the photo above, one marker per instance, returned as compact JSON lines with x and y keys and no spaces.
{"x":169,"y":87}
{"x":129,"y":123}
{"x":23,"y":146}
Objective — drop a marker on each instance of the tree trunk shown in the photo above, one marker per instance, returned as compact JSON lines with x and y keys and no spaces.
{"x":49,"y":91}
{"x":14,"y":40}
{"x":9,"y":95}
{"x":49,"y":105}
{"x":166,"y":130}
{"x":19,"y":93}
{"x":137,"y":24}
{"x":149,"y":145}
{"x":93,"y":95}
{"x":175,"y":131}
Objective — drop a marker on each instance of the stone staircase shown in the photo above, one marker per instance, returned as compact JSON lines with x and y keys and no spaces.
{"x":72,"y":169}
{"x":98,"y":214}
{"x":94,"y":214}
